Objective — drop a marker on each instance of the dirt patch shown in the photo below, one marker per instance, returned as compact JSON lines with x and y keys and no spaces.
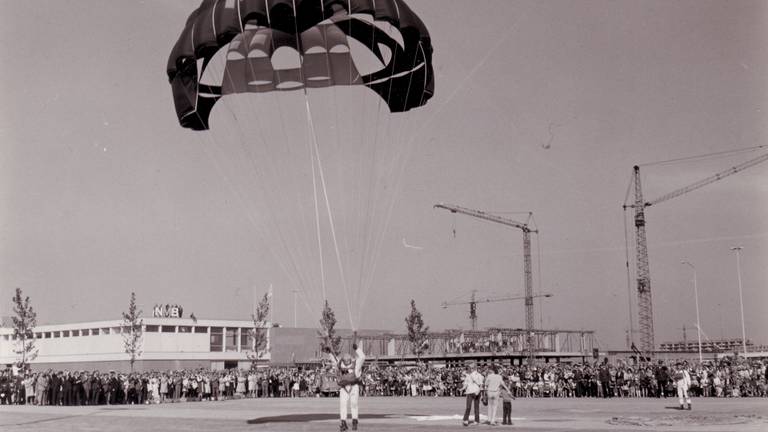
{"x":689,"y":420}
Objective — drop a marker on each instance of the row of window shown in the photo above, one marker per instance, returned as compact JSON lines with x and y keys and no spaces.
{"x":231,"y":332}
{"x":222,"y":339}
{"x":79,"y":332}
{"x":172,"y":329}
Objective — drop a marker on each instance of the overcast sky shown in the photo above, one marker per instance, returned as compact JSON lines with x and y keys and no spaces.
{"x":539,"y":106}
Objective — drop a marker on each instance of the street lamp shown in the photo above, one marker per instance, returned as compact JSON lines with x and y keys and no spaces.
{"x":696,"y":295}
{"x":738,"y":249}
{"x":294,"y":308}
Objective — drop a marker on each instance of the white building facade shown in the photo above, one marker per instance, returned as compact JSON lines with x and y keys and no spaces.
{"x":167,"y":343}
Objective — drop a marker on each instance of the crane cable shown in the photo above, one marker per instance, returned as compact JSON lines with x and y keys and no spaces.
{"x":705,"y":156}
{"x":629,"y":278}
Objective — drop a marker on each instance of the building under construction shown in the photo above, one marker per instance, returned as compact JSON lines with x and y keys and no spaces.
{"x":499,"y":345}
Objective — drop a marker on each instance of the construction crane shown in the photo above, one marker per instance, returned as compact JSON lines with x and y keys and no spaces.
{"x":643,"y":277}
{"x":526,"y":260}
{"x":473,"y":301}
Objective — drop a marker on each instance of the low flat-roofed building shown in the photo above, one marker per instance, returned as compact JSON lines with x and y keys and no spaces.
{"x":718,"y":345}
{"x":167,"y":343}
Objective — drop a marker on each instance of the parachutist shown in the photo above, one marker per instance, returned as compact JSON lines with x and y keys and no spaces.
{"x":349,"y":372}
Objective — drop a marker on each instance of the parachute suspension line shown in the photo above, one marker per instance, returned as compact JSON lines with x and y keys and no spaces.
{"x":312,"y":156}
{"x":397,"y":169}
{"x":299,"y":202}
{"x":237,"y":192}
{"x":337,"y":129}
{"x":317,"y":220}
{"x":462,"y":83}
{"x":372,"y":240}
{"x":295,"y":276}
{"x":330,"y":213}
{"x":349,"y":31}
{"x":365,"y":215}
{"x":239,"y":195}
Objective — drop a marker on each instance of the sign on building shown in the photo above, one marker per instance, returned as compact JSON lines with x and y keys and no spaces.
{"x":167,"y":311}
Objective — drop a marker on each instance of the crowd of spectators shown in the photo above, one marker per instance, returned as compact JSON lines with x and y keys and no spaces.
{"x":726,"y":378}
{"x":731,"y":377}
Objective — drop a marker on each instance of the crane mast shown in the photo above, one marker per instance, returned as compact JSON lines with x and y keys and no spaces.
{"x":644,"y":301}
{"x":528,"y":274}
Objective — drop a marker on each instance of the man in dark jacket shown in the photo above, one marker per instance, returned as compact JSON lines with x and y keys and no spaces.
{"x":5,"y":388}
{"x":604,"y":376}
{"x":55,"y":386}
{"x":112,"y":385}
{"x":66,"y":389}
{"x":662,"y":378}
{"x":78,"y":388}
{"x":578,"y":378}
{"x":86,"y":382}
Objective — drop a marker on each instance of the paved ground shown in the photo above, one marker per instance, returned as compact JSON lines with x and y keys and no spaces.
{"x":394,"y":414}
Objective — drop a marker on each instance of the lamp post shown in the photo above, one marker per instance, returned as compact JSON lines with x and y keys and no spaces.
{"x":294,"y":308}
{"x":696,"y":295}
{"x":738,"y":249}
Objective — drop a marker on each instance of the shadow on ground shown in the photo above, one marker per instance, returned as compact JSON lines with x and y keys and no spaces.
{"x":299,"y":418}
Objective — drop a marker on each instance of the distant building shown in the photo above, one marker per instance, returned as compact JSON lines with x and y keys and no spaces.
{"x":715,"y":346}
{"x":167,"y":343}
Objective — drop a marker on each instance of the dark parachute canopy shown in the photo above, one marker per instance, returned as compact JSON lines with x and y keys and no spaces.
{"x":320,"y":30}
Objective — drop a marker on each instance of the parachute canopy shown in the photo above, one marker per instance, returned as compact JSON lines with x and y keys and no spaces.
{"x":322,"y":34}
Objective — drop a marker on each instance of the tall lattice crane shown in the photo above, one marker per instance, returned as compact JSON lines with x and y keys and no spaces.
{"x":526,"y":260}
{"x":473,"y":301}
{"x":644,"y":302}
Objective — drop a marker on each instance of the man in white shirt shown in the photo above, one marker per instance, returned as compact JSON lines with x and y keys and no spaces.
{"x":493,"y":385}
{"x":472,"y":385}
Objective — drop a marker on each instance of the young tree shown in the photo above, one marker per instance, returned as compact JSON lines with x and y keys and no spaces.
{"x":258,"y":334}
{"x":24,"y":323}
{"x":133,"y":333}
{"x":417,"y":331}
{"x":327,"y":332}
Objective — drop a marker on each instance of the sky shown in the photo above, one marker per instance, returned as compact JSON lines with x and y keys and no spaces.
{"x":539,"y":107}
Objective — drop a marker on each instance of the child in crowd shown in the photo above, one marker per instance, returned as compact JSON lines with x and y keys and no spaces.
{"x":506,"y":403}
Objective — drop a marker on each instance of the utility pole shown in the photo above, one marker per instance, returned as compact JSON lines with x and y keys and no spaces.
{"x":738,"y":249}
{"x":696,"y":295}
{"x":294,"y":308}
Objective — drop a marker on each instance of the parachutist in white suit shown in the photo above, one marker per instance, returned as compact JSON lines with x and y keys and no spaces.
{"x":349,"y":371}
{"x":683,"y":383}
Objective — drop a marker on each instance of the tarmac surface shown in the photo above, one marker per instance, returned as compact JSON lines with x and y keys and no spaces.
{"x":421,"y":414}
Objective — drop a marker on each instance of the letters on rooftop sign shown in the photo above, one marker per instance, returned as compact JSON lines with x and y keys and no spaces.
{"x":167,"y":311}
